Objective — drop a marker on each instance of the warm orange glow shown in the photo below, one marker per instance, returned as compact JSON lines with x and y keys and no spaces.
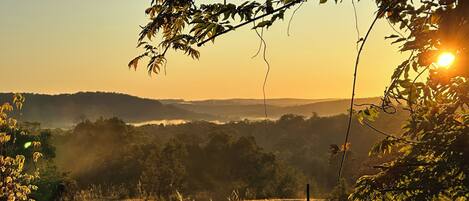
{"x":104,"y":40}
{"x":446,"y":59}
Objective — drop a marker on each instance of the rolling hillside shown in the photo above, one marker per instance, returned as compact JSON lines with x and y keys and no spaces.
{"x":64,"y":110}
{"x":275,"y":108}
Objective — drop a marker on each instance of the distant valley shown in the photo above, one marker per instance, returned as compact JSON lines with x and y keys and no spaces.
{"x":65,"y":110}
{"x":254,"y":109}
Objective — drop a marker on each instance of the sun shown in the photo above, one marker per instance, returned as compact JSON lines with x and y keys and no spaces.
{"x":446,"y":59}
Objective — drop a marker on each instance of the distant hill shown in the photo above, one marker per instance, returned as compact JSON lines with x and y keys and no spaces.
{"x":64,"y":110}
{"x":240,"y":108}
{"x":329,"y":108}
{"x":282,"y":102}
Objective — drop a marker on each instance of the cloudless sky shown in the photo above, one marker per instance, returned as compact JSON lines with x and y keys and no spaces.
{"x":65,"y":46}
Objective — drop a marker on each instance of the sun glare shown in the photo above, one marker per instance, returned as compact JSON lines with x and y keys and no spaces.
{"x":446,"y":59}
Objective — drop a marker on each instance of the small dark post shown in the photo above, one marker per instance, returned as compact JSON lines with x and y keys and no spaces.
{"x":307,"y":192}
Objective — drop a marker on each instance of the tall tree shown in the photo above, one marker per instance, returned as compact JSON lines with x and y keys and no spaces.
{"x":17,"y":165}
{"x":435,"y":140}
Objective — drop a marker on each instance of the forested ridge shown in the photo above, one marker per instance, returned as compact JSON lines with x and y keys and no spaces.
{"x":65,"y":110}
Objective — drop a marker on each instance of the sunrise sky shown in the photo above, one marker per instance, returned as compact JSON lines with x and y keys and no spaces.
{"x":54,"y":46}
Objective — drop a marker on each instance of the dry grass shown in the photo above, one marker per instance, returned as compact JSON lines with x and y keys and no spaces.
{"x":119,"y":193}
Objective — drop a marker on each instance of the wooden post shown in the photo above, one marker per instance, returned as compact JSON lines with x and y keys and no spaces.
{"x":307,"y":192}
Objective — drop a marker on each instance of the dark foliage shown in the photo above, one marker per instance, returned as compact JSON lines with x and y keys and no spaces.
{"x":207,"y":160}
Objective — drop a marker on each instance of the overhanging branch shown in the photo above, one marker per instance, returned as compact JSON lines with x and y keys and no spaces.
{"x":250,"y":21}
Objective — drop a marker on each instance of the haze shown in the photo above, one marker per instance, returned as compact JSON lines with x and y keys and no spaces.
{"x":67,"y":46}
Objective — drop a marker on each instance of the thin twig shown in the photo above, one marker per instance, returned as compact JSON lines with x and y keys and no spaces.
{"x":260,"y":43}
{"x":387,"y":134}
{"x":356,"y":23}
{"x":347,"y":134}
{"x":394,"y":28}
{"x":411,"y":90}
{"x":292,"y":16}
{"x":266,"y":74}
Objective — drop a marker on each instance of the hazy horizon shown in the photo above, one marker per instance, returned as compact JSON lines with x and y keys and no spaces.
{"x":88,"y":50}
{"x":179,"y":98}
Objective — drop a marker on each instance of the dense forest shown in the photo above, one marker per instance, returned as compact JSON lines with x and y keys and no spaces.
{"x":203,"y":160}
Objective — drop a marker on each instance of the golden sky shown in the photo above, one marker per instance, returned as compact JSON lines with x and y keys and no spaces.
{"x":54,"y":46}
